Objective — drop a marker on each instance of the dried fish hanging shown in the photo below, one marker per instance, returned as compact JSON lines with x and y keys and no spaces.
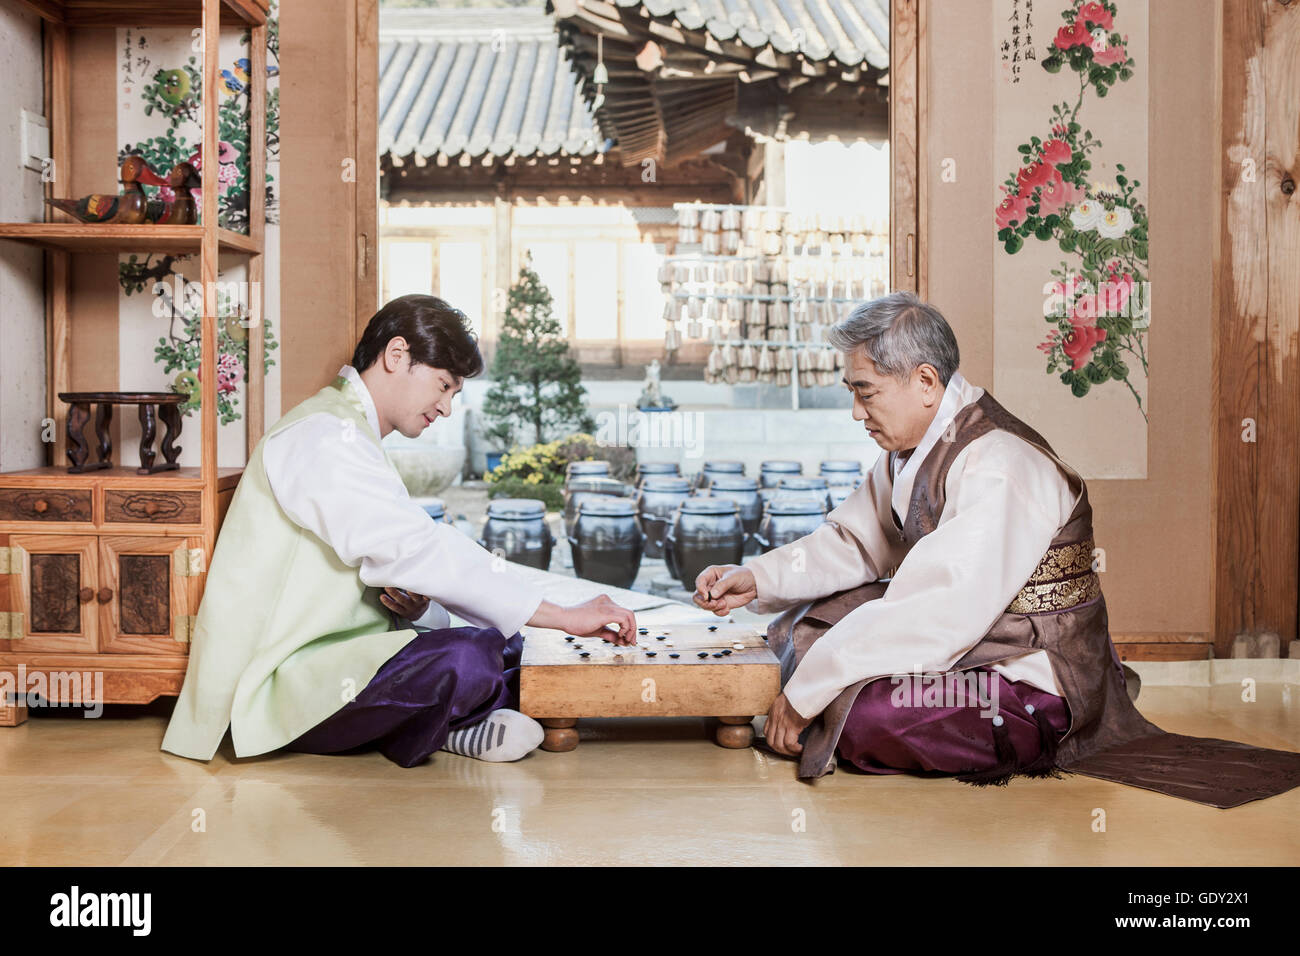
{"x":672,"y":338}
{"x":779,"y":311}
{"x":735,"y":308}
{"x":783,"y":367}
{"x":766,"y":369}
{"x":825,"y":367}
{"x":713,"y":367}
{"x":748,"y":363}
{"x":730,"y":370}
{"x":755,"y":319}
{"x":802,"y":367}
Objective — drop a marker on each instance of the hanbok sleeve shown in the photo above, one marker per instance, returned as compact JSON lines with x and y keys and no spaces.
{"x":1005,"y":503}
{"x":850,"y":548}
{"x":340,"y":487}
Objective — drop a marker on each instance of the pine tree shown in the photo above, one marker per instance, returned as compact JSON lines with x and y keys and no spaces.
{"x":536,"y":381}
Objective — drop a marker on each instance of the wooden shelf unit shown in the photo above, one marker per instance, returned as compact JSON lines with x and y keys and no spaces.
{"x":103,"y":571}
{"x":105,"y":238}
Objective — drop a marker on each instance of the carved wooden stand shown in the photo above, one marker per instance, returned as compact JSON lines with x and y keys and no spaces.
{"x":168,"y":409}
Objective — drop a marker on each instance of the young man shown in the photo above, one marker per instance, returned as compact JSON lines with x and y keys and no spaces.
{"x":322,"y":551}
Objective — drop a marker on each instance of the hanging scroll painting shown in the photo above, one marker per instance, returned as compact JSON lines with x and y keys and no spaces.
{"x":1071,"y":294}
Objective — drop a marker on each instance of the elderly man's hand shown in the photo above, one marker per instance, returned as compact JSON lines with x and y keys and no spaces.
{"x":721,"y":587}
{"x":784,"y":725}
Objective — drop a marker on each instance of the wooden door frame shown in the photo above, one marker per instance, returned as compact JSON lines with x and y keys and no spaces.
{"x":907,"y":210}
{"x":364,"y":122}
{"x":1256,"y":428}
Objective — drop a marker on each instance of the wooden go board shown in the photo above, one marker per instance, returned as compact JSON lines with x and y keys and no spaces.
{"x":722,"y":670}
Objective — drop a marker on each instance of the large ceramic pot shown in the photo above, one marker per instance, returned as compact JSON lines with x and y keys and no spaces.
{"x":656,"y":503}
{"x":656,"y":469}
{"x":585,"y":469}
{"x":607,"y":542}
{"x":518,"y":527}
{"x":435,"y":508}
{"x":788,"y":518}
{"x":805,"y":485}
{"x":579,"y":490}
{"x":712,"y":468}
{"x":771,"y":472}
{"x":744,"y":492}
{"x":426,"y":469}
{"x":705,"y":531}
{"x":842,"y":472}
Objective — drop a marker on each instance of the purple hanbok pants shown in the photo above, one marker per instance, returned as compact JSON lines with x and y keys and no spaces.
{"x":444,"y":679}
{"x":879,"y":737}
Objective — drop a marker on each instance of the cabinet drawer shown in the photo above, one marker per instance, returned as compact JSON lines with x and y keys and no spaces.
{"x":44,"y":504}
{"x":156,"y":507}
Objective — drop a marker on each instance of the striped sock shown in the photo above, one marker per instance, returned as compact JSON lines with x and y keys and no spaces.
{"x":501,"y":736}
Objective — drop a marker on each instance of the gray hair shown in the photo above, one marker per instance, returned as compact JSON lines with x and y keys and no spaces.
{"x":901,"y":333}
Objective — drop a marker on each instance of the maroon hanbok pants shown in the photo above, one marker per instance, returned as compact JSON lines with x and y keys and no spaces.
{"x":879,"y":737}
{"x":444,"y":679}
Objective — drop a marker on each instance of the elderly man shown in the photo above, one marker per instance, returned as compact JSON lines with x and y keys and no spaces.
{"x":962,"y":570}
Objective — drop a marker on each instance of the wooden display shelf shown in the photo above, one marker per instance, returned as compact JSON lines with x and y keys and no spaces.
{"x":110,"y":564}
{"x":50,"y":475}
{"x":108,"y":13}
{"x":97,"y":237}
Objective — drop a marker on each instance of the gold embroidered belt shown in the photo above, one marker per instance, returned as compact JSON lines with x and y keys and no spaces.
{"x":1063,"y":579}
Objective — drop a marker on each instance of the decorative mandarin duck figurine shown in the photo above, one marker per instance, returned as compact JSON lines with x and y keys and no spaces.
{"x":180,"y":210}
{"x":127,"y":208}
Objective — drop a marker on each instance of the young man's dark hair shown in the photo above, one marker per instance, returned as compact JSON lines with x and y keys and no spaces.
{"x":438,"y":335}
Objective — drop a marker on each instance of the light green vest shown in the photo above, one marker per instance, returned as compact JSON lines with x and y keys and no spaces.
{"x":286,"y":633}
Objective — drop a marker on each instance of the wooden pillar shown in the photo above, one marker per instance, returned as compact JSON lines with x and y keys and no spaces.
{"x":1257,"y":321}
{"x":773,"y":173}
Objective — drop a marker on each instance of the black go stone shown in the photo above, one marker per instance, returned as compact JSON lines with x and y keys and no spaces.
{"x":569,"y":637}
{"x":674,"y":655}
{"x":649,"y":653}
{"x":702,"y":654}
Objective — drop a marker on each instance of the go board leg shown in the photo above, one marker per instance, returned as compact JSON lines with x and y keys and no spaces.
{"x":561,"y":734}
{"x":735,"y":733}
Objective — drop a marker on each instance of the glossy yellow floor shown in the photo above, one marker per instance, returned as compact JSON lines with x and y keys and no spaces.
{"x":100,"y":792}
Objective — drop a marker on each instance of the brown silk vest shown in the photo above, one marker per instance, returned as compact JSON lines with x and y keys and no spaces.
{"x":1060,"y":610}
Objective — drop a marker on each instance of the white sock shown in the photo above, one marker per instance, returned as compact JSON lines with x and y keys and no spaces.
{"x":502,"y":735}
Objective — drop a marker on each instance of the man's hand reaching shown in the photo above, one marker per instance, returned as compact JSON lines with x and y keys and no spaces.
{"x":721,"y":587}
{"x":589,"y":619}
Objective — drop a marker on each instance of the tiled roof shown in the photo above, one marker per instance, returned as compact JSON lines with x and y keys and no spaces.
{"x":849,"y":30}
{"x":478,"y":81}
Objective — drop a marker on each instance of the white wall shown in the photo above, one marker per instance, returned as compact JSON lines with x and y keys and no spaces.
{"x":22,"y":270}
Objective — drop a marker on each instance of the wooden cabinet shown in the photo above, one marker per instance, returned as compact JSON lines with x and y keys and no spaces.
{"x":106,"y":578}
{"x":101,"y":571}
{"x":53,"y":579}
{"x":146,"y":593}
